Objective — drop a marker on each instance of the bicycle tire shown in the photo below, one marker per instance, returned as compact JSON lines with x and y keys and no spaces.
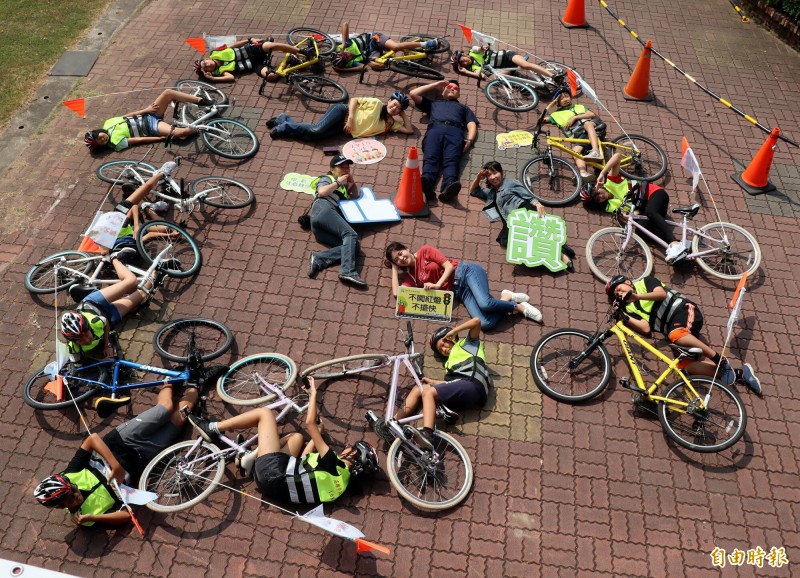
{"x":425,"y":484}
{"x":239,"y":143}
{"x":187,"y":112}
{"x":42,"y":279}
{"x":735,"y":257}
{"x":177,"y":486}
{"x":727,"y":414}
{"x":116,"y":172}
{"x":518,"y":98}
{"x":182,"y":260}
{"x":415,"y":69}
{"x":225,"y":193}
{"x":320,"y":88}
{"x":35,"y":395}
{"x":171,"y":341}
{"x":555,"y":186}
{"x":325,"y":43}
{"x":351,"y":365}
{"x":649,"y":164}
{"x":549,"y":365}
{"x":241,"y":384}
{"x":442,"y":44}
{"x":606,"y":258}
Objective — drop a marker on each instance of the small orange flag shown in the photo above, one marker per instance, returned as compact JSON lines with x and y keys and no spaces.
{"x":467,"y":32}
{"x":573,"y":82}
{"x":739,"y":287}
{"x":89,"y":246}
{"x":365,"y":546}
{"x":56,"y":387}
{"x":78,"y":106}
{"x":198,"y":44}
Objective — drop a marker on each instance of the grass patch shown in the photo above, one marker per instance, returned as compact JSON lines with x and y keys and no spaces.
{"x":33,"y":34}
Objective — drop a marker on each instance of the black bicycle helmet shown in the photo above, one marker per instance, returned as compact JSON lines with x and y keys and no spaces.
{"x":400,"y":97}
{"x":364,"y":459}
{"x":454,"y":59}
{"x":52,"y":490}
{"x":613,"y":283}
{"x":436,"y":337}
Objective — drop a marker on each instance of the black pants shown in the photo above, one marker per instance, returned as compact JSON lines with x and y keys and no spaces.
{"x":656,"y":211}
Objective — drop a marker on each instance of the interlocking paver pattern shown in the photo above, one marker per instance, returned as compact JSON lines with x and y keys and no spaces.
{"x":593,"y":490}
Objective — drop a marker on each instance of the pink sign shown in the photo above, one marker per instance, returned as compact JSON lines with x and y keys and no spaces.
{"x":364,"y":151}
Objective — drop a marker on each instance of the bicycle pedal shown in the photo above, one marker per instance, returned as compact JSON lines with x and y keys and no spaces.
{"x":625,"y":383}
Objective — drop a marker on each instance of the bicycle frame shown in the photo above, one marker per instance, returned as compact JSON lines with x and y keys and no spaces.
{"x":556,"y":142}
{"x":94,"y":279}
{"x":170,"y":376}
{"x":411,"y":54}
{"x":285,"y":70}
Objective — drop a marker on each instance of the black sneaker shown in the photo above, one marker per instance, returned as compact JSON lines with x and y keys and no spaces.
{"x":273,"y":134}
{"x":427,"y":434}
{"x":353,"y":279}
{"x":428,"y":189}
{"x":202,"y":425}
{"x":313,"y":267}
{"x":126,"y":255}
{"x":309,"y":52}
{"x":272,"y":123}
{"x":450,"y":192}
{"x":79,"y":292}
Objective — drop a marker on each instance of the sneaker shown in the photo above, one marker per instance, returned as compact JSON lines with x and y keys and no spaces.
{"x":309,"y":52}
{"x":750,"y":379}
{"x":203,"y":427}
{"x":428,"y":189}
{"x":530,"y":312}
{"x":593,"y":154}
{"x":587,"y":177}
{"x":313,"y":267}
{"x":205,"y":103}
{"x":273,"y":133}
{"x":675,"y":252}
{"x":353,"y":279}
{"x":272,"y":123}
{"x":422,"y":439}
{"x":382,"y":430}
{"x":125,"y":255}
{"x":448,"y":415}
{"x":245,"y":463}
{"x":168,"y":168}
{"x":431,"y":44}
{"x":160,"y":207}
{"x":79,"y":292}
{"x":726,"y":373}
{"x":515,"y":297}
{"x":450,"y":192}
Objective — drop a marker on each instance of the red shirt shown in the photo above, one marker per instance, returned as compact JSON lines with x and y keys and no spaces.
{"x":429,"y":268}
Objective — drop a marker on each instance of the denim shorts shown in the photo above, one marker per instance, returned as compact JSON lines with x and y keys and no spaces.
{"x":99,"y":300}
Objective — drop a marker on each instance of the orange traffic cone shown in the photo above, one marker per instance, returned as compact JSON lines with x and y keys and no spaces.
{"x":409,"y":200}
{"x":638,"y":87}
{"x":755,"y":178}
{"x":575,"y":15}
{"x":89,"y":246}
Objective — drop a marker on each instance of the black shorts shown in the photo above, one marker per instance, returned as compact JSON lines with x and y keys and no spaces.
{"x":688,"y":320}
{"x":269,"y":473}
{"x":577,"y":130}
{"x":461,"y":393}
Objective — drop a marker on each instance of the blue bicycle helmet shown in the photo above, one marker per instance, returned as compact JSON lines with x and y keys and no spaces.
{"x":400,"y":97}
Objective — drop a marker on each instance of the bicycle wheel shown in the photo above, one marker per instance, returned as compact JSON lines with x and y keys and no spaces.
{"x":713,"y":429}
{"x":325,"y":44}
{"x":320,"y":88}
{"x":182,"y":480}
{"x":736,"y":251}
{"x":511,"y":95}
{"x":607,"y":258}
{"x":649,"y":160}
{"x":120,"y":172}
{"x":442,"y":44}
{"x":414,"y":69}
{"x":230,"y":139}
{"x":202,"y":89}
{"x":183,"y":258}
{"x":556,"y":184}
{"x":211,"y":339}
{"x":223,"y":193}
{"x":40,"y":395}
{"x":346,"y":366}
{"x":55,"y":273}
{"x":551,"y":361}
{"x":243,"y":385}
{"x":434,"y":481}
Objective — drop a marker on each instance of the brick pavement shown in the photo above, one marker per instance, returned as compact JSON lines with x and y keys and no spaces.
{"x":594,"y":490}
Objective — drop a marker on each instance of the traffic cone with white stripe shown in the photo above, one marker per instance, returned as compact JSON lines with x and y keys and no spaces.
{"x":409,"y":199}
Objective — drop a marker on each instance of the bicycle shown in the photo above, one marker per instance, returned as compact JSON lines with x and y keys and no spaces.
{"x":404,"y":62}
{"x":557,"y":182}
{"x":186,"y":473}
{"x":159,"y":243}
{"x":723,"y":250}
{"x":217,"y":192}
{"x":696,"y":412}
{"x":431,"y":479}
{"x":225,"y":137}
{"x":191,"y":341}
{"x":315,"y":87}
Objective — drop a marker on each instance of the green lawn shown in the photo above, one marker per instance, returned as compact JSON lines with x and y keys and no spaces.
{"x":33,"y":34}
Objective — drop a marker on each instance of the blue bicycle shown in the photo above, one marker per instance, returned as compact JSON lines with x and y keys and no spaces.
{"x":192,"y":342}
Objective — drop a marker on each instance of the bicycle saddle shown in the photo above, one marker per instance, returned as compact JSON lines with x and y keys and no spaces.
{"x":688,"y":352}
{"x":690,"y":211}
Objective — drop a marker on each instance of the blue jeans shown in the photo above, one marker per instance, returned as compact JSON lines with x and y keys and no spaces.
{"x":331,"y":124}
{"x":441,"y":153}
{"x":471,"y":287}
{"x":330,"y":228}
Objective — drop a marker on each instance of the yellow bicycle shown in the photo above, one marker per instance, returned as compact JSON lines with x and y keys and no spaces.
{"x":405,"y":62}
{"x":557,"y":182}
{"x":315,"y":87}
{"x":696,"y":412}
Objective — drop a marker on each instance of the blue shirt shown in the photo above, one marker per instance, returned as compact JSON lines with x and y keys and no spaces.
{"x":447,"y":111}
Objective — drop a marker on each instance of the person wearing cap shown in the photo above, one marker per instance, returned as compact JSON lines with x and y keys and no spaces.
{"x":329,"y":225}
{"x":507,"y":195}
{"x":444,"y":142}
{"x":360,"y":117}
{"x":649,"y":305}
{"x":242,"y":57}
{"x":465,"y":385}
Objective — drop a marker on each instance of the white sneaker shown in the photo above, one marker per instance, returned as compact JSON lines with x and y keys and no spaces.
{"x":515,"y":297}
{"x":167,"y":168}
{"x":530,"y":312}
{"x":674,"y":252}
{"x":593,"y":154}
